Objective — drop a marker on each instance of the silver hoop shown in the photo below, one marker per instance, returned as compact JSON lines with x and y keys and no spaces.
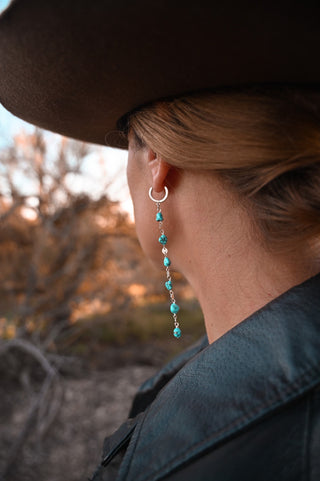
{"x":166,"y":193}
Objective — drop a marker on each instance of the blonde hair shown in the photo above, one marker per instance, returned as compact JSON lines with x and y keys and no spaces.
{"x":264,"y":141}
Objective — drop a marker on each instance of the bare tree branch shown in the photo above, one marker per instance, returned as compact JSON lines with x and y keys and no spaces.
{"x":44,"y":407}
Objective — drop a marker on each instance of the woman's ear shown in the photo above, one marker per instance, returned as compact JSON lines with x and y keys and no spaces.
{"x":159,"y":171}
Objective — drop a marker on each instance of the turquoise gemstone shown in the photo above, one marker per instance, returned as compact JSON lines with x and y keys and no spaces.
{"x":169,"y":285}
{"x":174,"y":308}
{"x":163,"y":239}
{"x":166,"y":261}
{"x":159,"y":217}
{"x":177,"y":332}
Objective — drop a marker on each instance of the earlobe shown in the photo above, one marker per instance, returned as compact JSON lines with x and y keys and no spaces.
{"x":159,"y":171}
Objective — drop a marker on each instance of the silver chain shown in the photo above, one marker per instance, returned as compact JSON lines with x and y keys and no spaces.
{"x":165,"y":253}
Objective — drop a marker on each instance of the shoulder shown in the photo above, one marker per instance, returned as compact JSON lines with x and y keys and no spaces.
{"x":253,"y":396}
{"x":283,"y":445}
{"x":245,"y":407}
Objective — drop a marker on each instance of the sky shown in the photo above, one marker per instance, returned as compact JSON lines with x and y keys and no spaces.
{"x":4,"y":4}
{"x":103,"y":165}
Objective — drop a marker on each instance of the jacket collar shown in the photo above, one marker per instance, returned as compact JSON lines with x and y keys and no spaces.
{"x":264,"y":362}
{"x":150,"y":388}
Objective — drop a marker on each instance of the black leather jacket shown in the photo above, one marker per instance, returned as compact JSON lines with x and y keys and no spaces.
{"x":246,"y":407}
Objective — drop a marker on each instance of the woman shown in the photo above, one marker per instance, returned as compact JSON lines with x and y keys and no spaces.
{"x":242,"y":221}
{"x":233,"y":177}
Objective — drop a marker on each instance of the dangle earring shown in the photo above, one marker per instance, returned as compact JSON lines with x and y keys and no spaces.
{"x":174,"y":308}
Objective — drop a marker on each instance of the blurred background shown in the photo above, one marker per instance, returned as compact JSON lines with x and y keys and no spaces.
{"x":84,"y":316}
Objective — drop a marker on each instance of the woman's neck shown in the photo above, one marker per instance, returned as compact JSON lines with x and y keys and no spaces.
{"x":241,"y":284}
{"x":231,"y":272}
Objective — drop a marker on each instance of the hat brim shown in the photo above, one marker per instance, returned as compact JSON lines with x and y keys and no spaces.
{"x":77,"y":67}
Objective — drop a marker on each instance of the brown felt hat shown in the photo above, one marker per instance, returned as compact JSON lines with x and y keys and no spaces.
{"x":76,"y":67}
